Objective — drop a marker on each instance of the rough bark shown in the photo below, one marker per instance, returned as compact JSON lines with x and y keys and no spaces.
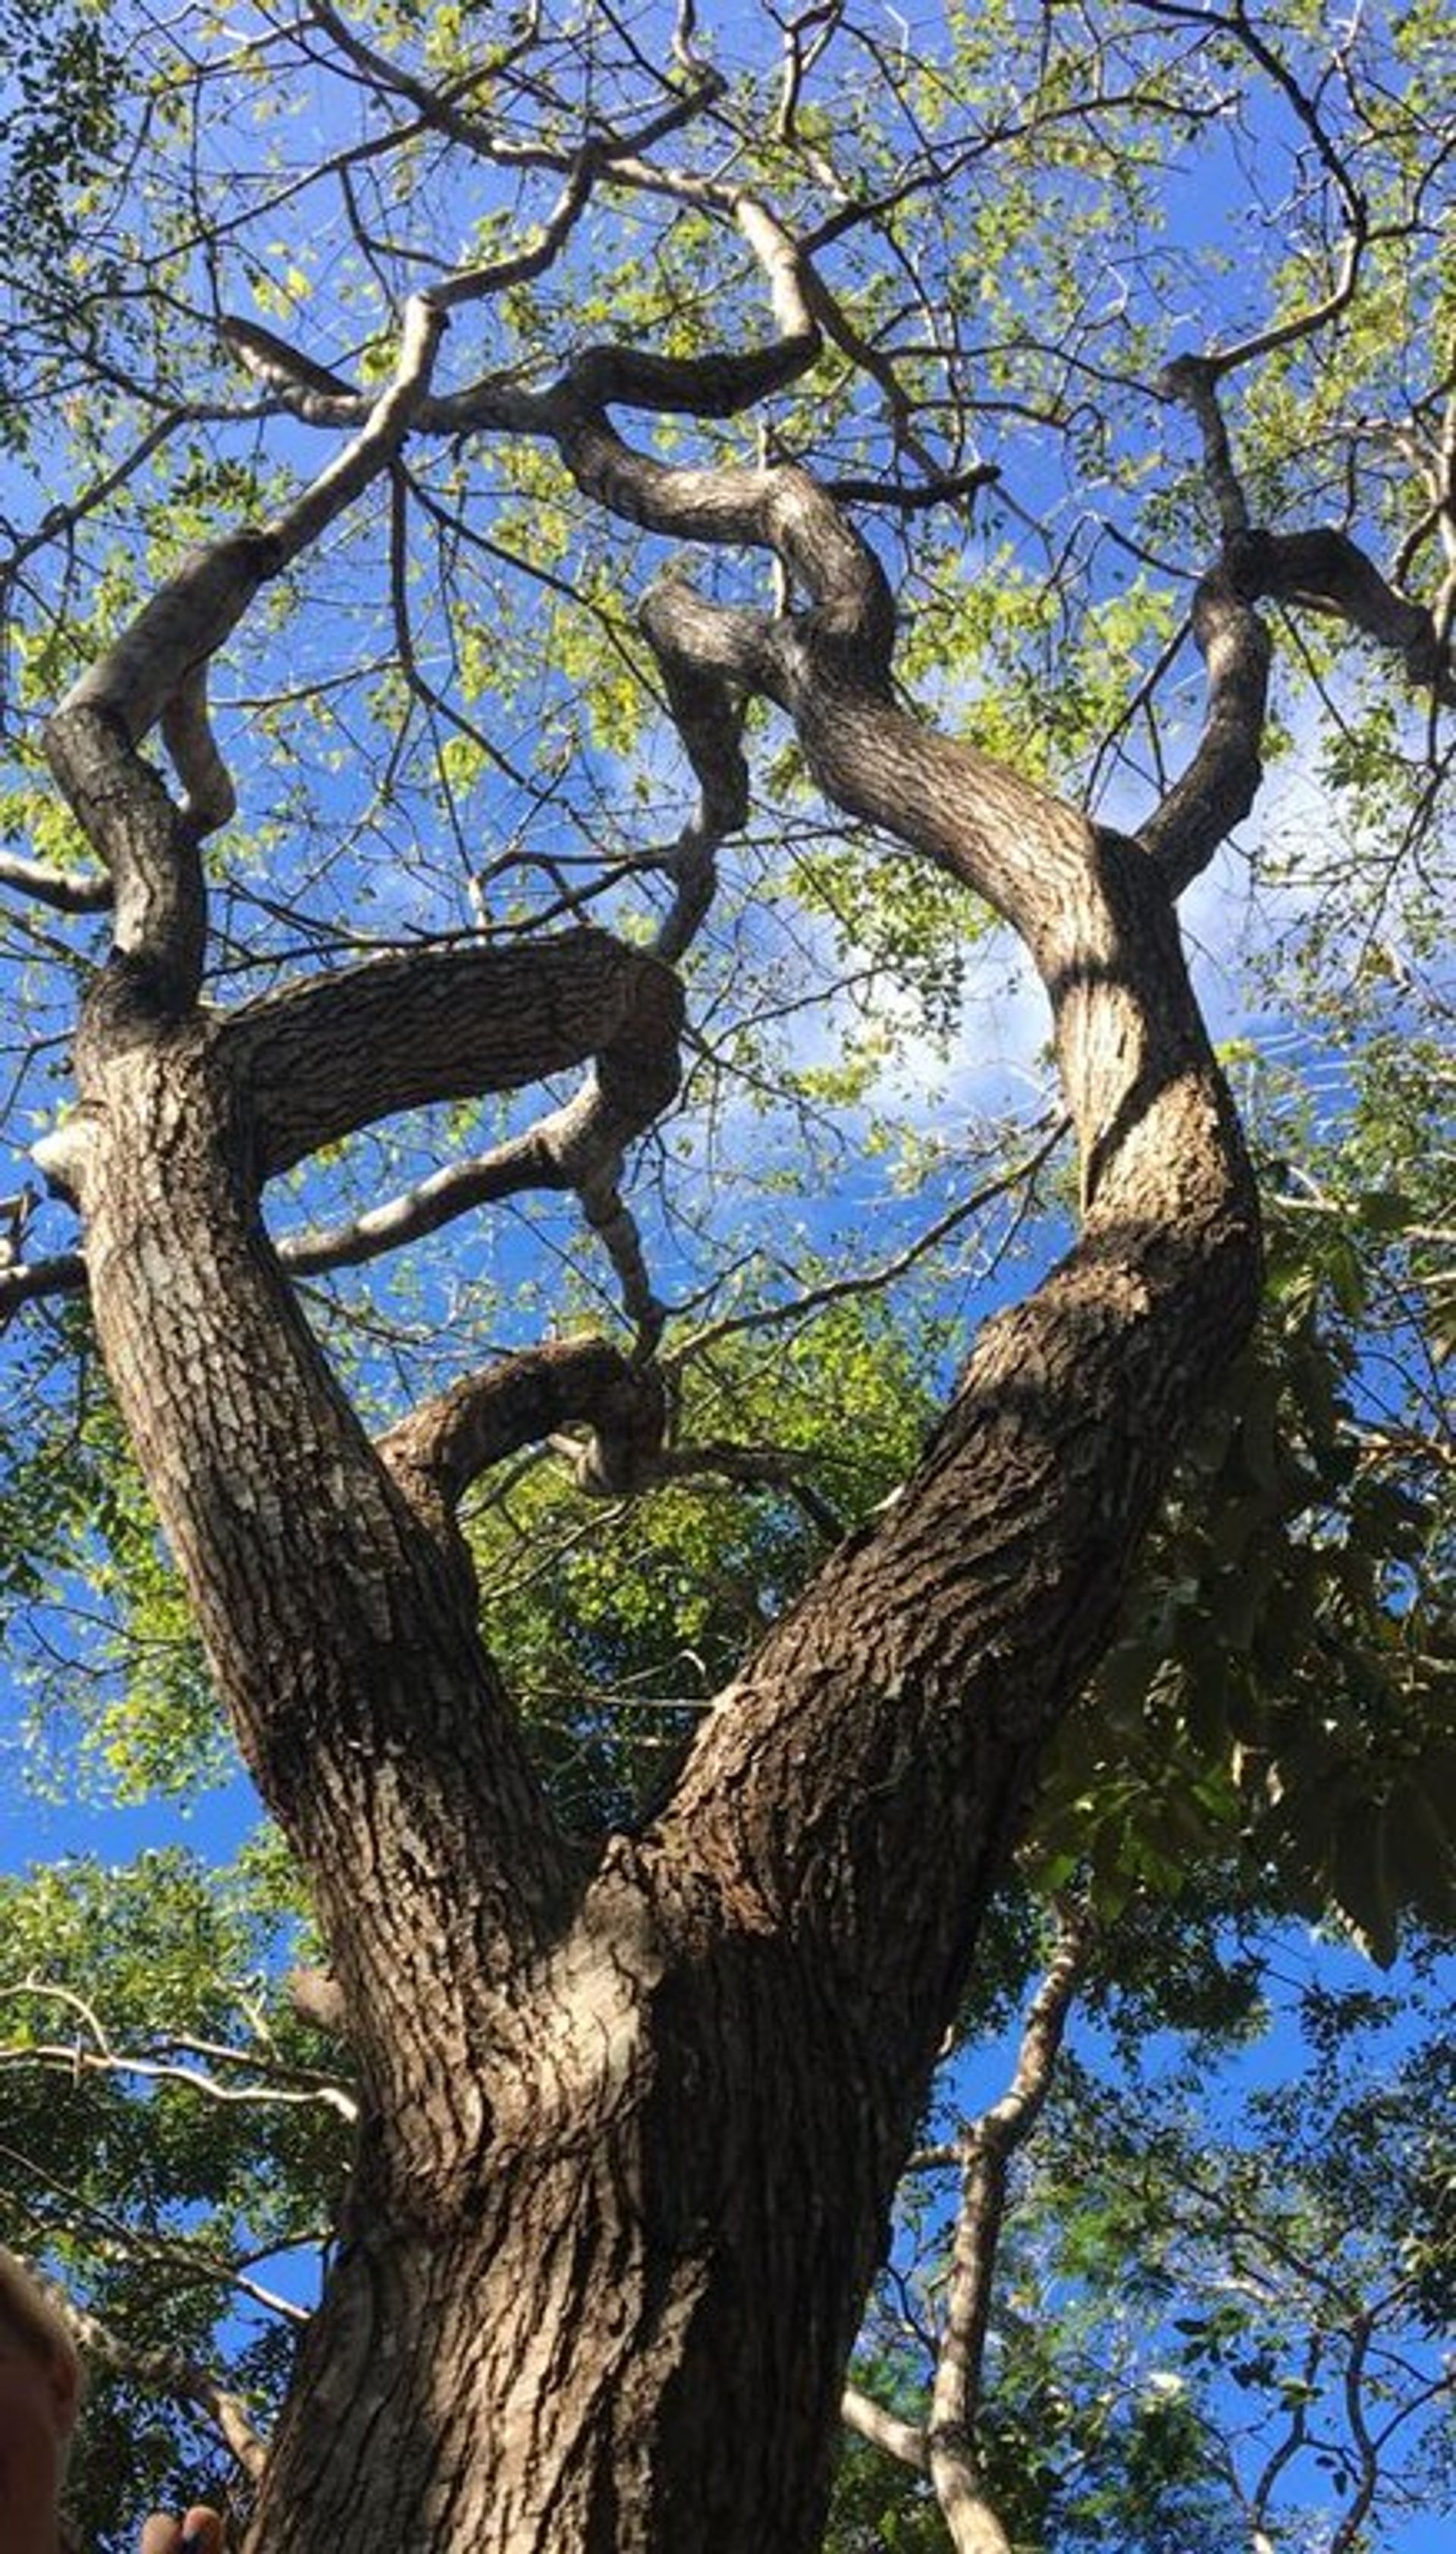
{"x":631,"y":2137}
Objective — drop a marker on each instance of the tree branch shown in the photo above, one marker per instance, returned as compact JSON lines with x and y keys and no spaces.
{"x":768,"y":1468}
{"x":1221,"y":782}
{"x":35,"y":1281}
{"x":166,"y":2371}
{"x":720,"y":383}
{"x":172,"y":2251}
{"x":903,"y":2440}
{"x":988,"y":2144}
{"x":437,"y":110}
{"x":580,"y":1145}
{"x":71,"y":2058}
{"x":448,"y":1441}
{"x":335,"y":1052}
{"x":157,"y":670}
{"x":943,"y":488}
{"x":1169,"y":1238}
{"x":708,"y":718}
{"x":1191,"y":380}
{"x":946,"y":2447}
{"x":65,"y":891}
{"x":1324,"y":571}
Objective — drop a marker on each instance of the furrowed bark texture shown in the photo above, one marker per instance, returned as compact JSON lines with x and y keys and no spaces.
{"x":630,"y":2132}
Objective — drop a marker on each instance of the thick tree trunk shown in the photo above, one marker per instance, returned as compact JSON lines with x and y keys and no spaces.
{"x":630,"y":2139}
{"x":625,"y":2325}
{"x":629,"y":2134}
{"x":619,"y":2187}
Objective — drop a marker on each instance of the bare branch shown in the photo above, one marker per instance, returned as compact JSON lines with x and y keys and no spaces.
{"x":721,"y":384}
{"x":903,"y":2440}
{"x":64,"y":890}
{"x":157,"y":670}
{"x":62,"y":518}
{"x":1237,"y":25}
{"x":945,"y":2448}
{"x":1324,"y":571}
{"x":1221,"y":782}
{"x":989,"y":2143}
{"x":437,"y":110}
{"x":322,"y":397}
{"x":271,"y":359}
{"x":1302,"y":323}
{"x":942,"y":489}
{"x":708,"y":718}
{"x":145,"y":841}
{"x":1192,"y":380}
{"x":71,"y":2058}
{"x":579,"y":1146}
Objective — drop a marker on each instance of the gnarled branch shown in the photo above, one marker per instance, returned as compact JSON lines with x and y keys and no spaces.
{"x":450,"y":1440}
{"x":157,"y":670}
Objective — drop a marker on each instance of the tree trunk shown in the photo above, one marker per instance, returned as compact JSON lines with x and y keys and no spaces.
{"x":629,"y":2131}
{"x":623,"y":2324}
{"x":629,"y":2137}
{"x":587,"y":2293}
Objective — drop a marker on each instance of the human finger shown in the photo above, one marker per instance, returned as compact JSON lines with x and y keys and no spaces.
{"x":200,"y":2532}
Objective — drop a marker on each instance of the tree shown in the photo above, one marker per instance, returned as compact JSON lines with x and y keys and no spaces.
{"x":578,"y":2296}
